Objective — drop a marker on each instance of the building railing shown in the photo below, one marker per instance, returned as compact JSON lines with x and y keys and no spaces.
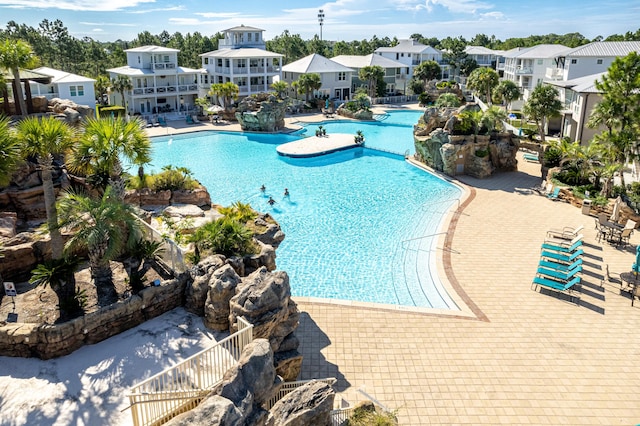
{"x":394,"y":99}
{"x":288,"y":387}
{"x":341,"y":415}
{"x":524,"y":70}
{"x":181,"y":387}
{"x":164,"y":66}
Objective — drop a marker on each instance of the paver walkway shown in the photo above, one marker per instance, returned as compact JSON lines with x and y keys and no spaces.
{"x":535,"y":359}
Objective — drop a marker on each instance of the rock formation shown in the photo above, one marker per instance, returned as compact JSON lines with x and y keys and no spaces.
{"x":263,"y":112}
{"x":309,"y":404}
{"x":438,"y":146}
{"x":264,"y":300}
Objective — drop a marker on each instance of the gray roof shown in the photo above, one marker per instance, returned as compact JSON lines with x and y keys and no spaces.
{"x":540,"y":51}
{"x":586,"y":84}
{"x":315,"y":63}
{"x":243,"y":28}
{"x":58,"y":76}
{"x":356,"y":61}
{"x":605,"y":48}
{"x":152,"y":49}
{"x":408,"y":46}
{"x":481,"y":50}
{"x":245,"y":52}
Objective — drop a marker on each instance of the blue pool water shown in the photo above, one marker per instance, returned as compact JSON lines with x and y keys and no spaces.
{"x":351,"y":221}
{"x":392,"y":133}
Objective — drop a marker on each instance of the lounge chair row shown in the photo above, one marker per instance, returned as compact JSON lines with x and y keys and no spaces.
{"x":560,"y":261}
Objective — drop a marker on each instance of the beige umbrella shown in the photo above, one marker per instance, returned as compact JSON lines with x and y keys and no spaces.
{"x":615,"y":214}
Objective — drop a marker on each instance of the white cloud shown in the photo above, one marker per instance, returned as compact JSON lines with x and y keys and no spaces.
{"x":216,"y":15}
{"x":83,"y":5}
{"x":97,"y":30}
{"x":160,"y":9}
{"x":108,"y":24}
{"x":458,"y":6}
{"x":492,"y":15}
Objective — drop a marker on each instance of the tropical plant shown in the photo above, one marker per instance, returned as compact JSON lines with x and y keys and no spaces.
{"x":43,"y":138}
{"x":308,"y":83}
{"x":173,"y":179}
{"x":467,"y":66}
{"x":482,"y":80}
{"x":227,"y":92}
{"x":10,"y":154}
{"x":506,"y":91}
{"x":416,"y":86}
{"x":542,"y":104}
{"x":493,"y":117}
{"x":280,"y":87}
{"x":121,"y":84}
{"x":359,"y":137}
{"x":103,"y":226}
{"x":103,"y":144}
{"x":424,"y":99}
{"x":102,"y":86}
{"x":224,"y":236}
{"x":202,"y":104}
{"x":372,"y":74}
{"x":448,"y":100}
{"x":242,"y":212}
{"x":16,"y":54}
{"x":426,"y":71}
{"x":59,"y":275}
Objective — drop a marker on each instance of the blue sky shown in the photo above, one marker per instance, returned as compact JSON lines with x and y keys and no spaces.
{"x":347,"y":20}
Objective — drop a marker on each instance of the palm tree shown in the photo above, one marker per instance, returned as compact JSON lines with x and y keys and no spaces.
{"x":493,"y":117}
{"x":507,"y":91}
{"x":203,"y":104}
{"x":44,"y":138}
{"x":104,"y":227}
{"x":280,"y":87}
{"x":121,"y":84}
{"x":483,"y":80}
{"x":371,"y":74}
{"x":227,"y":91}
{"x":102,"y":86}
{"x":16,"y":54}
{"x":102,"y":145}
{"x":10,"y":155}
{"x":542,"y":104}
{"x":309,"y":82}
{"x":426,"y":71}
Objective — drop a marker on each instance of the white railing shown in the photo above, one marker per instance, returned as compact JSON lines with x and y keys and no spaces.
{"x":341,"y":415}
{"x":288,"y":387}
{"x":181,"y":388}
{"x":172,"y":255}
{"x":394,"y":99}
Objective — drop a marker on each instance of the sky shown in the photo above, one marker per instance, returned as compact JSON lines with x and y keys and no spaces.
{"x":109,"y":20}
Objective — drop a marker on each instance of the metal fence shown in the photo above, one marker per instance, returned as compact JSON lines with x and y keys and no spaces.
{"x":181,"y":387}
{"x":171,"y":254}
{"x":394,"y":99}
{"x":289,"y":387}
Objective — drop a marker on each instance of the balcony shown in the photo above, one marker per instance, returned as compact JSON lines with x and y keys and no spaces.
{"x":144,"y":91}
{"x":524,"y":70}
{"x":554,"y":74}
{"x":164,"y":66}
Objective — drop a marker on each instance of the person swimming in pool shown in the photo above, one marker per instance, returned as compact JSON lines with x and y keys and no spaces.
{"x":286,"y":192}
{"x":271,"y":201}
{"x":263,"y":188}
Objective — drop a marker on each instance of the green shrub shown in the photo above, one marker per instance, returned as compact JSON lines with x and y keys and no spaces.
{"x":448,"y":100}
{"x":242,"y":212}
{"x":107,"y":111}
{"x":365,"y":416}
{"x":482,"y":152}
{"x":424,"y":99}
{"x":224,"y":236}
{"x":552,"y":157}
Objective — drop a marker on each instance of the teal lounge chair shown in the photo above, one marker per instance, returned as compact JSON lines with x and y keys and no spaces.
{"x":563,"y":245}
{"x":189,"y":120}
{"x":162,"y":121}
{"x":560,"y":266}
{"x":534,"y":157}
{"x":554,"y":194}
{"x":558,"y":275}
{"x":562,"y":257}
{"x":559,"y":286}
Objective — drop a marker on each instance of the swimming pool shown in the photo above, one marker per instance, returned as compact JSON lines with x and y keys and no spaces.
{"x":391,"y":132}
{"x":357,"y":222}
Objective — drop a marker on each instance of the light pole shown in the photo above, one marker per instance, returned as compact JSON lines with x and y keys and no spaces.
{"x":321,"y":21}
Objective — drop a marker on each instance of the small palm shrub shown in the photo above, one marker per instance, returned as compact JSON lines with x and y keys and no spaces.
{"x":224,"y":236}
{"x":173,"y":179}
{"x":448,"y":100}
{"x":242,"y":212}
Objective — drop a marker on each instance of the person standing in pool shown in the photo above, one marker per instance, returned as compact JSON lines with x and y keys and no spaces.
{"x":263,"y":188}
{"x":286,"y":192}
{"x":271,"y":201}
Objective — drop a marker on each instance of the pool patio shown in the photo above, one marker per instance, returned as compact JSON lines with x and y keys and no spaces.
{"x":526,"y":357}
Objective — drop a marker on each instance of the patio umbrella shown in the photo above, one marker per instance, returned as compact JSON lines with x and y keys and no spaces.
{"x":615,"y":214}
{"x":214,"y":109}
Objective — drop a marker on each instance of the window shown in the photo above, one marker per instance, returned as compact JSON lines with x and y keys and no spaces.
{"x":397,"y":56}
{"x":257,"y":36}
{"x":206,"y":61}
{"x":138,"y":58}
{"x":402,"y":55}
{"x":540,"y":61}
{"x":599,"y":61}
{"x":220,"y":80}
{"x":574,"y":61}
{"x":76,"y":90}
{"x":219,"y":62}
{"x":408,"y":55}
{"x":249,"y":35}
{"x":342,"y":76}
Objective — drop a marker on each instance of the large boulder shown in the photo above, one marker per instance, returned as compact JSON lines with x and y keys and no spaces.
{"x":222,"y":287}
{"x":263,"y":112}
{"x":310,"y":404}
{"x":251,"y":382}
{"x":263,"y":299}
{"x":8,"y":221}
{"x":214,"y":410}
{"x":196,"y":294}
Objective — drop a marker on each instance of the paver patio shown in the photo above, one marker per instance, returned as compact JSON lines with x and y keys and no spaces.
{"x":534,"y":358}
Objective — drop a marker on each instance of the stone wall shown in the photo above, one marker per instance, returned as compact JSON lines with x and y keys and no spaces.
{"x":146,"y":197}
{"x":49,"y":341}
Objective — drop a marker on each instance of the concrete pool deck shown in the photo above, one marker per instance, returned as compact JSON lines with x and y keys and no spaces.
{"x":317,"y":145}
{"x":528,"y":357}
{"x":523,"y":357}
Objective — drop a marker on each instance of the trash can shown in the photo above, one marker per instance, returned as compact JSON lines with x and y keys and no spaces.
{"x":586,"y":207}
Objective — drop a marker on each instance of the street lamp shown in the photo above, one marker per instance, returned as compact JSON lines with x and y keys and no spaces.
{"x":321,"y":21}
